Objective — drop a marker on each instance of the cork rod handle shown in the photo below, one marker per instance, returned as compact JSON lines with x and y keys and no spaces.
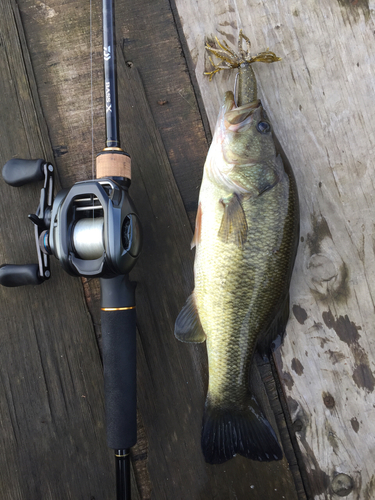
{"x":113,"y":164}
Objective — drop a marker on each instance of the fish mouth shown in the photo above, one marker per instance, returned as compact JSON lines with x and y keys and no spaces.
{"x":236,"y":118}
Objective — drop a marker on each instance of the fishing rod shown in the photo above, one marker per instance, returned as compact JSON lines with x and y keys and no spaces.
{"x":93,"y":229}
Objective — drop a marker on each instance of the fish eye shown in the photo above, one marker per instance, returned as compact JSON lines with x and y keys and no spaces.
{"x":263,"y":127}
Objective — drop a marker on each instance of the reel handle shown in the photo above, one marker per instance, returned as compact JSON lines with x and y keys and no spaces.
{"x":18,"y":275}
{"x":17,"y":172}
{"x":118,"y":319}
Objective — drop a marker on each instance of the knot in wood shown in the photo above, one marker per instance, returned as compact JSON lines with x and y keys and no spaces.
{"x":328,"y":400}
{"x":298,"y":425}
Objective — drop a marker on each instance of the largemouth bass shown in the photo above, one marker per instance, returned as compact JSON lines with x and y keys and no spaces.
{"x":246,"y":238}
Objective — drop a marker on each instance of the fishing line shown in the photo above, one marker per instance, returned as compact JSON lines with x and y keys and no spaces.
{"x":105,"y":246}
{"x":235,"y":90}
{"x":92,"y":104}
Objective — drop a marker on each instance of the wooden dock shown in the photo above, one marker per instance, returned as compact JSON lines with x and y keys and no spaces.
{"x":318,"y":390}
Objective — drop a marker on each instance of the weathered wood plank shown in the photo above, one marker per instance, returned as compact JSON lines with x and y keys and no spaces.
{"x":62,"y":67}
{"x":319,"y":99}
{"x":171,"y":375}
{"x":51,"y":399}
{"x":149,"y":40}
{"x":58,"y":38}
{"x":171,"y":398}
{"x":133,"y":52}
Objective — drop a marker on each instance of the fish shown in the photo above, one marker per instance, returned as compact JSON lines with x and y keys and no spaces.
{"x":246,"y":237}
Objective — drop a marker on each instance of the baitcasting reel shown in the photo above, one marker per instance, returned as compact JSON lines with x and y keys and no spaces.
{"x":92,"y":229}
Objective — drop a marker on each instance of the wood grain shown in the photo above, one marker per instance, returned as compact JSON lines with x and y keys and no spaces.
{"x":51,"y":399}
{"x":320,"y":100}
{"x":171,"y":399}
{"x":167,"y":142}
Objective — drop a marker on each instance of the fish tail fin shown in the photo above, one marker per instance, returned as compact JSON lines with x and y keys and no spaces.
{"x":243,"y":430}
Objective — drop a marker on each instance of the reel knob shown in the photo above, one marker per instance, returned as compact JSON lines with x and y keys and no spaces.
{"x":17,"y":172}
{"x":18,"y":275}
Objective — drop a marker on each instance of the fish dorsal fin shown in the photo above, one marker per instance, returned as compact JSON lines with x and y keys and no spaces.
{"x":198,"y":227}
{"x":233,"y":226}
{"x":188,"y":326}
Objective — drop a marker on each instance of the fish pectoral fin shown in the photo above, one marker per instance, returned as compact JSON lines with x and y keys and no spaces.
{"x":188,"y":326}
{"x":233,"y":226}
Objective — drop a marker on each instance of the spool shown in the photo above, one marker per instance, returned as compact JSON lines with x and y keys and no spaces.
{"x":88,"y":238}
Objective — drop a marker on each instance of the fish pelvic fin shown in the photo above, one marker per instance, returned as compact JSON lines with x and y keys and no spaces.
{"x":188,"y":326}
{"x":227,"y":431}
{"x":233,"y":226}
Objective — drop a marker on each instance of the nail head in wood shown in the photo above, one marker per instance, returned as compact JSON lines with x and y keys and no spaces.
{"x":342,"y":485}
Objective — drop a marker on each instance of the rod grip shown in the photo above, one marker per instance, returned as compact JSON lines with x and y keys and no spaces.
{"x":17,"y":172}
{"x":113,"y":163}
{"x":18,"y":275}
{"x":118,"y":319}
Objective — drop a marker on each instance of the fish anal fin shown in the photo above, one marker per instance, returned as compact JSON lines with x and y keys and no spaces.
{"x":188,"y":326}
{"x":275,"y":333}
{"x":198,"y":227}
{"x":233,"y":226}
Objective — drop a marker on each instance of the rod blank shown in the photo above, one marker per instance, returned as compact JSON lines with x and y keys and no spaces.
{"x":110,"y":84}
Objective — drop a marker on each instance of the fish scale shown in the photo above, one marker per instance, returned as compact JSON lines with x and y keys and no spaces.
{"x":246,"y":238}
{"x":223,"y":310}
